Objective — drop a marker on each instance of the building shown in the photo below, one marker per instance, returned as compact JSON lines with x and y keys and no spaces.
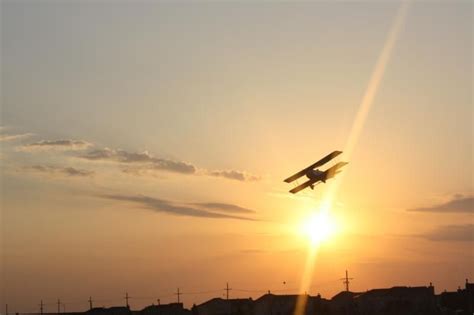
{"x":460,"y":301}
{"x":218,"y":306}
{"x":115,"y":310}
{"x":397,"y":300}
{"x":343,"y":303}
{"x":271,"y":304}
{"x":165,"y":309}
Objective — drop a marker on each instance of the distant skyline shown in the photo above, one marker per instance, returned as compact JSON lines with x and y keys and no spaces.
{"x":144,"y":147}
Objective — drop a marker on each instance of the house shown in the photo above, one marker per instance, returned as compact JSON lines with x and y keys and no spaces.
{"x":218,"y":306}
{"x":343,"y":303}
{"x":115,"y":310}
{"x":165,"y":309}
{"x":397,"y":300}
{"x":460,"y":301}
{"x":271,"y":304}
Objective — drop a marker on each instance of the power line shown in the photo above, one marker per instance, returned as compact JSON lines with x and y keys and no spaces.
{"x":126,"y":299}
{"x":227,"y":289}
{"x":200,"y":292}
{"x":346,"y":281}
{"x":178,"y":294}
{"x":251,"y":291}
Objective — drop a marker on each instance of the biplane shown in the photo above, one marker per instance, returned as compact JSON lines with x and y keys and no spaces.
{"x":316,"y":176}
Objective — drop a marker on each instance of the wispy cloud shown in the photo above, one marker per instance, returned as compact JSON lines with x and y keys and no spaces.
{"x":132,"y":163}
{"x":453,"y":233}
{"x":224,"y":207}
{"x":13,"y":137}
{"x":59,"y":170}
{"x":235,"y":175}
{"x":460,"y":204}
{"x":145,"y":164}
{"x":174,"y":208}
{"x":62,"y":145}
{"x":141,"y":161}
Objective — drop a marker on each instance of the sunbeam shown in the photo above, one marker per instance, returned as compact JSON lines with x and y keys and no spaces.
{"x":357,"y":126}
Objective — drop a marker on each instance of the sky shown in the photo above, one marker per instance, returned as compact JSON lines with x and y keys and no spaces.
{"x":144,"y":147}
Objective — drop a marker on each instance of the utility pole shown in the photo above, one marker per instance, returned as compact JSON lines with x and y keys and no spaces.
{"x":126,"y":299}
{"x":59,"y":306}
{"x":6,"y":309}
{"x":90,"y":302}
{"x":227,"y":289}
{"x":41,"y":307}
{"x":178,"y":293}
{"x":347,"y":281}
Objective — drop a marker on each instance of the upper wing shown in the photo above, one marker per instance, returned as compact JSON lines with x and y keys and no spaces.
{"x":323,"y":161}
{"x":303,"y":186}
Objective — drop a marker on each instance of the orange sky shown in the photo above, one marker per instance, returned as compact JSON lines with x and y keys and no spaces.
{"x":144,"y":148}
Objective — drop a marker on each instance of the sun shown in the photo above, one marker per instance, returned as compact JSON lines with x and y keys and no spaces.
{"x":319,"y":226}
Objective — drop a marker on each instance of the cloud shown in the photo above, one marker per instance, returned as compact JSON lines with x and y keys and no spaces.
{"x":224,"y":207}
{"x":235,"y":175}
{"x":173,"y":208}
{"x":142,"y":161}
{"x":13,"y":137}
{"x":140,"y":171}
{"x":62,"y":145}
{"x":454,"y":233}
{"x":133,"y":163}
{"x":460,"y":204}
{"x":54,"y":170}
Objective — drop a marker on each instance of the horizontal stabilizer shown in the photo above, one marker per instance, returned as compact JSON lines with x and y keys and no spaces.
{"x":321,"y":162}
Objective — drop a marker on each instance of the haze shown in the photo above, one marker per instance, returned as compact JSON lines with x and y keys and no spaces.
{"x":144,"y":147}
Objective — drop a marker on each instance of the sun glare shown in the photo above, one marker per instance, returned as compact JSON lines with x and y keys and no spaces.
{"x":320,"y":226}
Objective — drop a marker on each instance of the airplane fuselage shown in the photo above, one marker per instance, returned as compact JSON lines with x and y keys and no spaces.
{"x":316,"y":175}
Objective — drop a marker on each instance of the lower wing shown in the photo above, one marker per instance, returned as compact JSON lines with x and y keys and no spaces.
{"x":303,"y":186}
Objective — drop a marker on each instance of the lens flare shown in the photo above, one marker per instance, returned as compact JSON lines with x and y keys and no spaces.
{"x":361,"y":116}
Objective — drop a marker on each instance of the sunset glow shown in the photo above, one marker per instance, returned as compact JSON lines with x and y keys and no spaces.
{"x":145,"y":147}
{"x":320,"y":225}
